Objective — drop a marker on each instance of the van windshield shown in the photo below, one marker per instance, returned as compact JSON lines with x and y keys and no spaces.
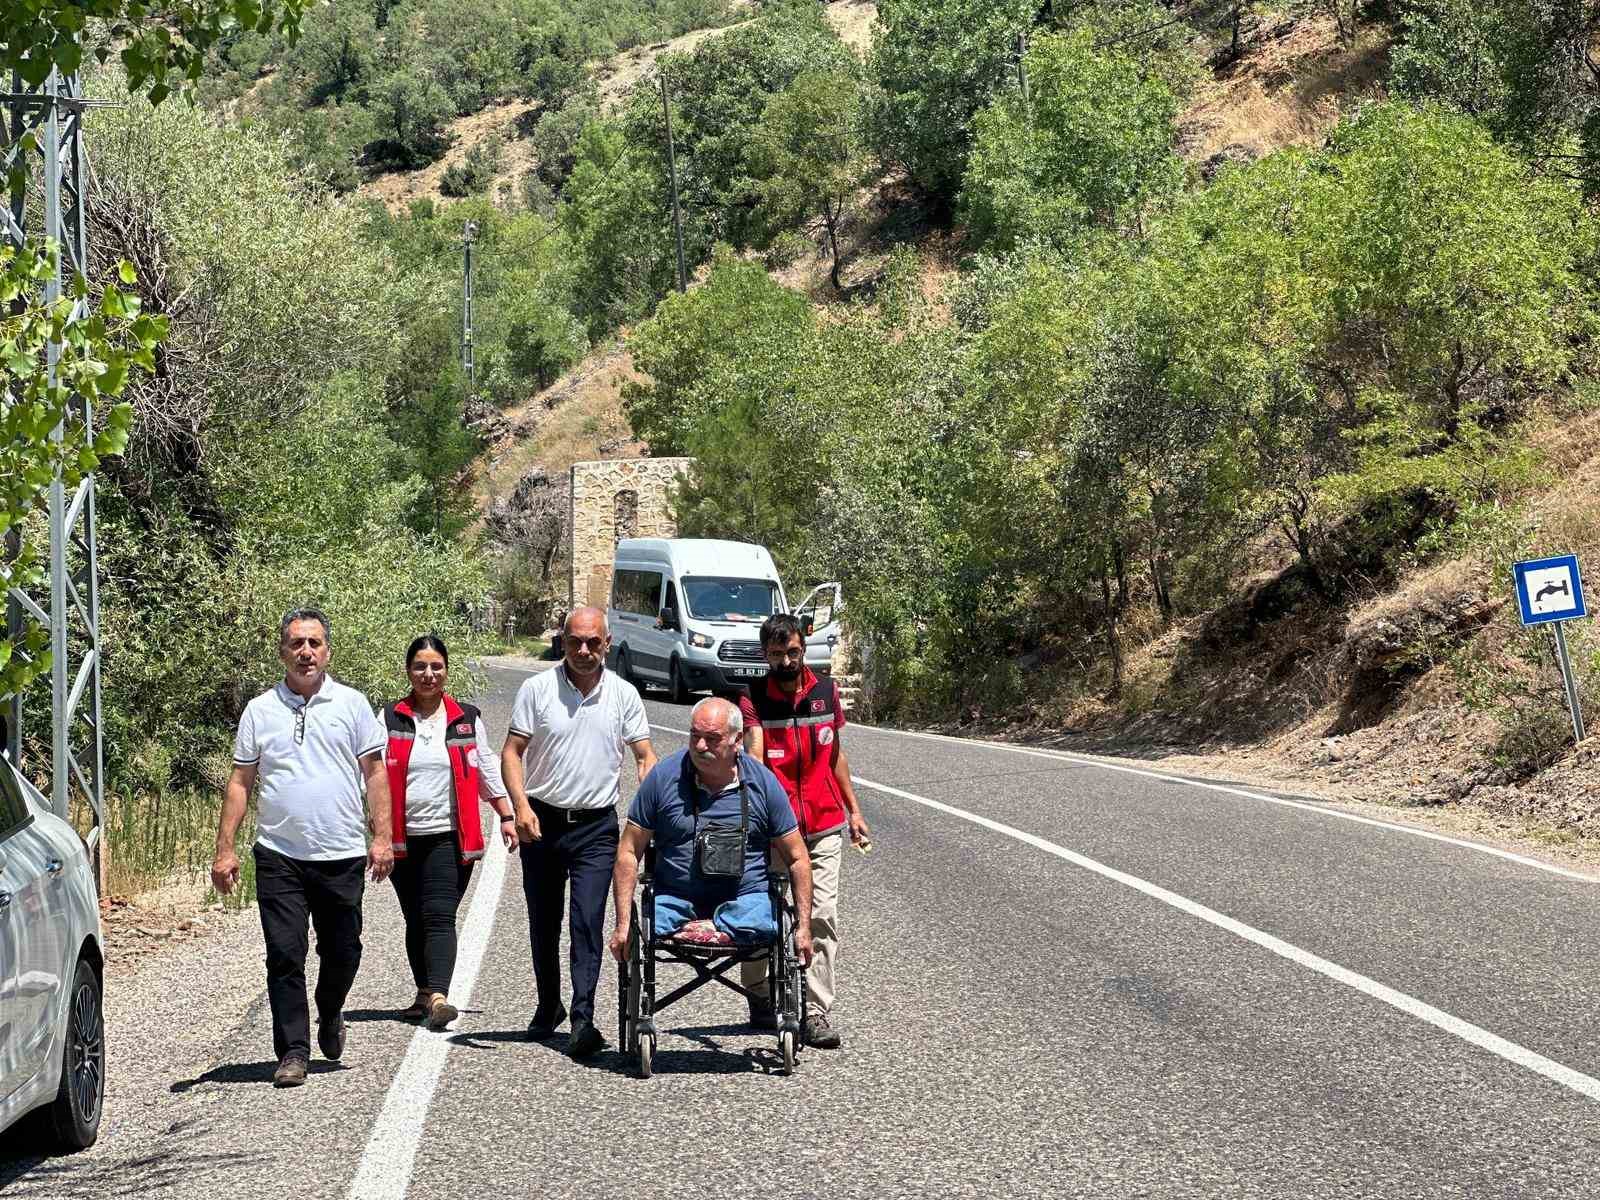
{"x":712,"y":598}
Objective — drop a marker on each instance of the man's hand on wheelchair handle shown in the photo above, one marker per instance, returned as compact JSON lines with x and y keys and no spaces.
{"x":802,"y":944}
{"x":619,"y":941}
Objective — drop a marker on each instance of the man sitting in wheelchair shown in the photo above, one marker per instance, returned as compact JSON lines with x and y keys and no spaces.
{"x":711,"y":814}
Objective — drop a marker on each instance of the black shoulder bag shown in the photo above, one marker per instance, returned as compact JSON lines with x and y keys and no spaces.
{"x":719,"y":849}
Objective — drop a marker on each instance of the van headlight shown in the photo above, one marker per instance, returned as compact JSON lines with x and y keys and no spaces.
{"x":700,"y":640}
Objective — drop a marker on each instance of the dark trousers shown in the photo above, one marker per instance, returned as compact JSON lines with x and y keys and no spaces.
{"x":430,"y":881}
{"x":582,"y":852}
{"x":287,"y":891}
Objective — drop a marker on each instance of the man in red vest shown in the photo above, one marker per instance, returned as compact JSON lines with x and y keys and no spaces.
{"x":793,"y":722}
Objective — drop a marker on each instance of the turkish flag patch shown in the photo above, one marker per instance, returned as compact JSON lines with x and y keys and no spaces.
{"x":819,"y":706}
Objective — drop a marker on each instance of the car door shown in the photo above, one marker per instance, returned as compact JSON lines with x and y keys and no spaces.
{"x":821,"y":609}
{"x":29,"y":981}
{"x":637,"y":599}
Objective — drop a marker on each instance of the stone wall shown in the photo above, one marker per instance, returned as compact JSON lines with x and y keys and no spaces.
{"x":635,"y":491}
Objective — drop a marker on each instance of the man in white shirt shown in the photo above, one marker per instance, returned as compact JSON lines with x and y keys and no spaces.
{"x":310,"y":742}
{"x":562,"y":764}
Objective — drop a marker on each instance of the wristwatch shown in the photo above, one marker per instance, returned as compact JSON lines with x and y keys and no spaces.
{"x":510,"y":816}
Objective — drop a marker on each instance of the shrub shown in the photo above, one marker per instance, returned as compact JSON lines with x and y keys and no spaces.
{"x":476,"y":171}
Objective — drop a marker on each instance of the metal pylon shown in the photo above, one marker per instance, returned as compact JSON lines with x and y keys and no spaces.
{"x":51,"y":205}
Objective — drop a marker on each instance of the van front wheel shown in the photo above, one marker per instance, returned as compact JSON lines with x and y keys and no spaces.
{"x":678,"y":691}
{"x":625,"y":667}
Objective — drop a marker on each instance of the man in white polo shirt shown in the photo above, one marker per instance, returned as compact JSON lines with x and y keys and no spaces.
{"x":562,"y":764}
{"x":310,"y":742}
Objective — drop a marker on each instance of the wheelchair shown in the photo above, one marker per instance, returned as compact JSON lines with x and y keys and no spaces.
{"x":638,"y":1004}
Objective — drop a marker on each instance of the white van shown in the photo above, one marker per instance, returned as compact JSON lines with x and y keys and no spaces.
{"x":686,"y":614}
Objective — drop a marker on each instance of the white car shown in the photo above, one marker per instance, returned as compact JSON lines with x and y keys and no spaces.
{"x":52,"y":1027}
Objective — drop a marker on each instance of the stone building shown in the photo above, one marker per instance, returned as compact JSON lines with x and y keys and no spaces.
{"x":611,"y":500}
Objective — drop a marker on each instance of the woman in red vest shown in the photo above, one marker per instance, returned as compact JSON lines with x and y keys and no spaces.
{"x":440,"y":766}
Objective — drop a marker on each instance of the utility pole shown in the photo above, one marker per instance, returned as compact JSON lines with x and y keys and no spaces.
{"x":52,"y":158}
{"x":672,"y":169}
{"x":1022,"y":69}
{"x":468,"y":366}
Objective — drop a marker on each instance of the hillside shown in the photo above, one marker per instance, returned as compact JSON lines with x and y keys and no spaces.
{"x":1271,"y":471}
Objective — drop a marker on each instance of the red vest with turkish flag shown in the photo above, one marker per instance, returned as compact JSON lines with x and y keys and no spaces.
{"x":461,"y":745}
{"x":800,"y":733}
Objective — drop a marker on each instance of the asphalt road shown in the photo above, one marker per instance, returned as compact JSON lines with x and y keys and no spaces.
{"x":1219,"y":997}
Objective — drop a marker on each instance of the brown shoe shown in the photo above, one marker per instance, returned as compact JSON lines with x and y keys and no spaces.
{"x":418,"y":1009}
{"x":441,"y":1013}
{"x":291,"y":1071}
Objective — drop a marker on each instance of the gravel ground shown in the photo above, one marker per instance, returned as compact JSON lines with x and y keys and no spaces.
{"x":1013,"y":1025}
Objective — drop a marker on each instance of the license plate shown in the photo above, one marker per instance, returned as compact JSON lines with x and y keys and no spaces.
{"x":747,"y":672}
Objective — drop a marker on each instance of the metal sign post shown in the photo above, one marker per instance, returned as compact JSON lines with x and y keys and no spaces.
{"x":1550,"y":592}
{"x":1566,"y":677}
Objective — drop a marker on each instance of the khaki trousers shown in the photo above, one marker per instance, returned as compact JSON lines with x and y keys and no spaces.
{"x":827,"y":856}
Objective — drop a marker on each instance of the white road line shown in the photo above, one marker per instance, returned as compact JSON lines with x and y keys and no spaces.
{"x":385,"y":1169}
{"x":1585,"y":1085}
{"x":1068,"y":756}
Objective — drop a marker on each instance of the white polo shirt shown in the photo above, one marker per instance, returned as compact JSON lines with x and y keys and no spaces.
{"x":309,"y":783}
{"x":575,"y":742}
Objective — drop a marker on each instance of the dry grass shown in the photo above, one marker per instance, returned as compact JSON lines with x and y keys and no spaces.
{"x":510,"y":119}
{"x":617,"y":75}
{"x":1287,"y":91}
{"x":852,"y":20}
{"x":579,"y":418}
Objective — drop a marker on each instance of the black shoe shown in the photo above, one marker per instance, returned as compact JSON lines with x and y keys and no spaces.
{"x":817,"y":1032}
{"x":587,"y":1041}
{"x":291,"y":1071}
{"x":545,"y":1023}
{"x":763,"y":1016}
{"x":330,"y":1037}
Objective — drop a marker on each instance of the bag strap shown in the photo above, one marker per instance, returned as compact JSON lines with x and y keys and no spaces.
{"x":744,"y":806}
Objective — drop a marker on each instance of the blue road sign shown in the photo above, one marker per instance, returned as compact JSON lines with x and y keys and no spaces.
{"x":1549,"y":589}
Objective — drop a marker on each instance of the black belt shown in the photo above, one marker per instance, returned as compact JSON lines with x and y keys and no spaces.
{"x":569,"y":816}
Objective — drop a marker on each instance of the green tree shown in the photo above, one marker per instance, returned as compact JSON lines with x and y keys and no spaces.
{"x":262,"y":468}
{"x":719,"y":92}
{"x":1524,"y":70}
{"x":935,"y":64}
{"x":334,"y":58}
{"x":738,"y":334}
{"x":95,"y":355}
{"x":158,"y":40}
{"x":614,"y":208}
{"x":555,"y":138}
{"x":427,"y":425}
{"x":1092,"y":144}
{"x":808,"y":157}
{"x":544,"y":340}
{"x":411,"y":110}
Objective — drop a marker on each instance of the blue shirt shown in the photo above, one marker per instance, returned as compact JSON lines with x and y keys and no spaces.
{"x":664,"y":805}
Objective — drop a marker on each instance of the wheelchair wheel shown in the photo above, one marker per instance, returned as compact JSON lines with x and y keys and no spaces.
{"x":786,"y":1046}
{"x":629,"y":985}
{"x":646,"y":1052}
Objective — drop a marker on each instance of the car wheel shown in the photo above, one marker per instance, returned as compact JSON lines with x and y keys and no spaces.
{"x":625,"y":667}
{"x":75,"y":1114}
{"x":678,"y":689}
